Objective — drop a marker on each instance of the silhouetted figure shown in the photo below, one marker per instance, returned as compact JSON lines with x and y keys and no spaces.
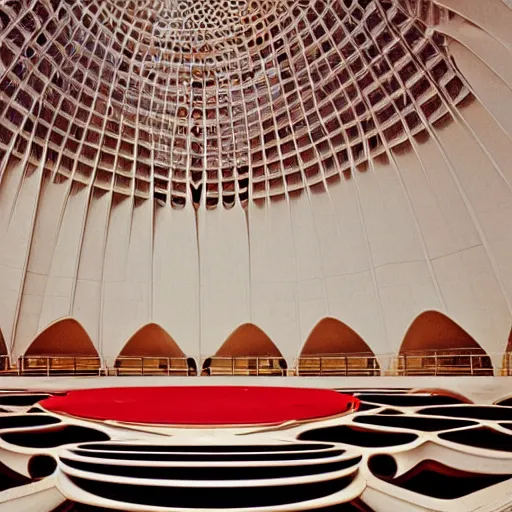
{"x":192,"y":367}
{"x":206,"y":366}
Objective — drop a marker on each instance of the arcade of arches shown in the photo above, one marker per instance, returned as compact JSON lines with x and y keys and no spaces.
{"x":433,"y":345}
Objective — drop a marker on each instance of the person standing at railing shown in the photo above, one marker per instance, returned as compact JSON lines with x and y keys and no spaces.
{"x":207,"y":367}
{"x":191,"y":366}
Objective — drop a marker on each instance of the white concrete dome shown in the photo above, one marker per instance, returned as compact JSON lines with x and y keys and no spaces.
{"x":176,"y":172}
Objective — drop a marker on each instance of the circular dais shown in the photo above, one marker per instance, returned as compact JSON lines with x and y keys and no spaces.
{"x":198,"y":405}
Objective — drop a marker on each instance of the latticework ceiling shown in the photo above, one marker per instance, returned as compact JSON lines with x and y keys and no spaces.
{"x":220,"y":100}
{"x":204,"y":165}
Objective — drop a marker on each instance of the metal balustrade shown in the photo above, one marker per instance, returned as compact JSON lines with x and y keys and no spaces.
{"x":459,"y":362}
{"x":58,"y":365}
{"x":338,"y":365}
{"x":131,"y":366}
{"x":454,"y":362}
{"x":247,"y":366}
{"x":507,"y":364}
{"x":6,"y":368}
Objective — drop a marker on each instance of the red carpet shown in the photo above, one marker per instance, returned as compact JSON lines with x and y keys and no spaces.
{"x":212,"y":405}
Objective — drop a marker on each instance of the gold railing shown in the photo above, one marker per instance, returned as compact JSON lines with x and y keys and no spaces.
{"x":6,"y":368}
{"x":177,"y":366}
{"x":338,"y":365}
{"x":444,"y":362}
{"x":458,"y":362}
{"x":248,"y":366}
{"x":58,"y":365}
{"x":507,"y":364}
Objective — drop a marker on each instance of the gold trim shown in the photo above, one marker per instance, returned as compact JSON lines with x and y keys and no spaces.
{"x":260,"y":426}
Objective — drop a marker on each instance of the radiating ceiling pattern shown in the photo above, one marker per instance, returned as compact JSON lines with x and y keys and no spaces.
{"x":202,"y":166}
{"x":213,"y":101}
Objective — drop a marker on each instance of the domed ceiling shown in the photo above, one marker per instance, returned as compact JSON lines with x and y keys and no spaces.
{"x":219,"y":100}
{"x":204,"y":165}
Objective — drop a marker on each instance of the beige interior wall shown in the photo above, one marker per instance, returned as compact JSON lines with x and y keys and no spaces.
{"x":426,"y":228}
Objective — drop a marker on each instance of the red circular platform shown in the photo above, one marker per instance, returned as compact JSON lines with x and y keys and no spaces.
{"x":198,"y":405}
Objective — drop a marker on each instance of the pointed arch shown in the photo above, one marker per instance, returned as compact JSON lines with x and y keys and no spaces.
{"x":432,"y":330}
{"x":152,"y":351}
{"x":4,"y":359}
{"x":247,"y":351}
{"x":65,"y":337}
{"x":248,"y":340}
{"x":507,"y":357}
{"x":333,"y":348}
{"x":331,"y":336}
{"x":435,"y":345}
{"x":151,"y":340}
{"x":3,"y":346}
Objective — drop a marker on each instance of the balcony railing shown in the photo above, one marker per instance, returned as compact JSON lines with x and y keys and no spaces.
{"x":507,"y":364}
{"x":338,"y":365}
{"x":130,"y":366}
{"x":454,"y":362}
{"x":6,"y":368}
{"x":58,"y":365}
{"x":248,"y":366}
{"x":459,"y":362}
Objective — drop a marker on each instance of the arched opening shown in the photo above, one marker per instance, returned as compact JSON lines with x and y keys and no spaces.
{"x":435,"y":345}
{"x":507,"y":359}
{"x":247,"y":351}
{"x":153,"y":351}
{"x":63,"y":348}
{"x":4,"y":356}
{"x":333,"y":348}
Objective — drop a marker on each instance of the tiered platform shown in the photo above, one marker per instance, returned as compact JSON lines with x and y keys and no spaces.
{"x":256,"y":449}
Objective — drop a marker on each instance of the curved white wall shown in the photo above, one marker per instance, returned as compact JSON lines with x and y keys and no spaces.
{"x":374,"y":252}
{"x":427,"y":226}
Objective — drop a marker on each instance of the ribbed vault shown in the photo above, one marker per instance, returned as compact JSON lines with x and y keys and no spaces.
{"x":211,"y":102}
{"x":63,"y":338}
{"x":118,"y":119}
